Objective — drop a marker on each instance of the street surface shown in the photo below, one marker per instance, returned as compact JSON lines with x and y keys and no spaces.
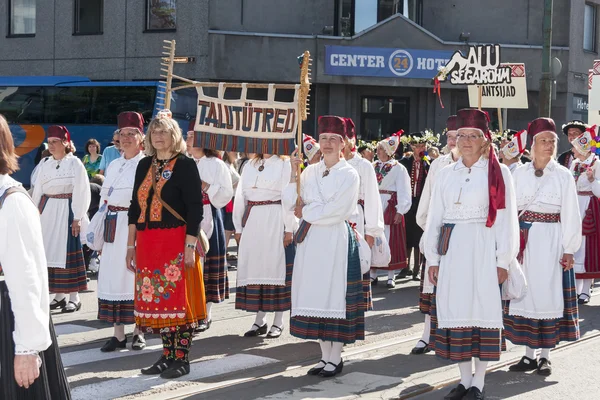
{"x":226,"y":365}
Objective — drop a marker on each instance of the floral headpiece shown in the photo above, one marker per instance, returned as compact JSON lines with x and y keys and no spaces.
{"x":164,"y":114}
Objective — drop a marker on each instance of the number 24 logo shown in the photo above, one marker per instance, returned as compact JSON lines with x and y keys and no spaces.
{"x":400,"y":62}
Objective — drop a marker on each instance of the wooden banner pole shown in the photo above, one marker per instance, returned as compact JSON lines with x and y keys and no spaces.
{"x":500,"y":122}
{"x":479,"y":95}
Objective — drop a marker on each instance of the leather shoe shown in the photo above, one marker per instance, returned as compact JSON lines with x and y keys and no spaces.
{"x":544,"y":367}
{"x":158,"y":367}
{"x":177,"y":369}
{"x":58,"y":304}
{"x":373,"y":281}
{"x":138,"y":343}
{"x":112,"y":344}
{"x":583,"y":299}
{"x":204,"y":325}
{"x":315,"y":370}
{"x":72,"y":307}
{"x":391,"y":284}
{"x":474,"y":394}
{"x":329,"y":374}
{"x":274,"y":332}
{"x":421,"y":350}
{"x":525,"y":364}
{"x":457,"y":393}
{"x":261,"y":330}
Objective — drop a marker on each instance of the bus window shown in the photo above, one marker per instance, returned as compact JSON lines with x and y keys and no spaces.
{"x":68,"y":105}
{"x":109,"y":101}
{"x":184,"y":105}
{"x":22,"y":105}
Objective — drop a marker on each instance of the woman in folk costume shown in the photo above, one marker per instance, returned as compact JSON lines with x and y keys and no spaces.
{"x":62,"y":194}
{"x":30,"y":363}
{"x":472,"y":236}
{"x":312,"y":150}
{"x":417,"y":166}
{"x":265,"y":232}
{"x":328,"y":303}
{"x":394,"y":192}
{"x":164,"y":221}
{"x":217,"y":191}
{"x":116,"y":286}
{"x":572,"y":131}
{"x":426,"y":286}
{"x":586,"y":170}
{"x":550,"y":235}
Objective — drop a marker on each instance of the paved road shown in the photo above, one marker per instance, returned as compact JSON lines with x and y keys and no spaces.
{"x":225,"y":365}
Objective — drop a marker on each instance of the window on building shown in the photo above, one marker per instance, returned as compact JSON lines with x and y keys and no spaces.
{"x":21,"y":17}
{"x":354,"y":16}
{"x":382,"y":116}
{"x":589,"y":28}
{"x":88,"y":17}
{"x":160,"y":15}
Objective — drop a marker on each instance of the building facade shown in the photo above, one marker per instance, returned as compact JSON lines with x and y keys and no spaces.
{"x":372,"y":59}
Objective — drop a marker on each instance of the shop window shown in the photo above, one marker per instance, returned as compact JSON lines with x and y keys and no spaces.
{"x":589,"y":28}
{"x":88,"y":17}
{"x":161,"y":15}
{"x":21,"y":19}
{"x":382,"y":116}
{"x":354,"y":16}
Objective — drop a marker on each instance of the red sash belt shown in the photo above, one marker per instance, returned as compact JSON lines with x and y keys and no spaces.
{"x":587,"y":193}
{"x":117,"y":209}
{"x":205,"y":199}
{"x":252,"y":204}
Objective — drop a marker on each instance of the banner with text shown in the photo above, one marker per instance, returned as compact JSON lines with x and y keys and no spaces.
{"x":511,"y":94}
{"x":384,"y":62}
{"x":246,"y":125}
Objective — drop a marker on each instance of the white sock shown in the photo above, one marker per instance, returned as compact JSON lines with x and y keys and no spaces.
{"x":261,"y":319}
{"x":545,"y":353}
{"x":479,"y":376}
{"x":209,"y":311}
{"x":587,"y":285}
{"x":325,"y":352}
{"x":426,"y":332}
{"x":119,"y":332}
{"x":391,"y":274}
{"x":335,"y":357}
{"x":466,"y":373}
{"x":373,"y":273}
{"x":57,"y":296}
{"x":579,"y":286}
{"x":74,"y":297}
{"x":137,"y":331}
{"x":530,"y":353}
{"x":278,"y":319}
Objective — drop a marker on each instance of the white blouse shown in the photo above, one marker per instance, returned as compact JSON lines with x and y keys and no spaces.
{"x":118,"y":185}
{"x":396,"y":180}
{"x":215,"y":172}
{"x":436,"y":166}
{"x":369,"y":192}
{"x":583,"y":184}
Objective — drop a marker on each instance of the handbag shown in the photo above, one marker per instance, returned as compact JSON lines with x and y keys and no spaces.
{"x":515,"y":286}
{"x":364,"y":253}
{"x":381,"y":255}
{"x":201,"y":236}
{"x":95,"y":231}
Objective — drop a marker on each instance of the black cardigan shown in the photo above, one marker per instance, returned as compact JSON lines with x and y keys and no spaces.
{"x":182,"y":191}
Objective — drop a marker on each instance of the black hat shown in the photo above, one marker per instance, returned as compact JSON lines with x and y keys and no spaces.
{"x":574,"y":124}
{"x":510,"y":134}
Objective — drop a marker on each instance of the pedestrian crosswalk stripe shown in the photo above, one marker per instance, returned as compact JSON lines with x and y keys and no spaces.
{"x":67,"y":329}
{"x":78,"y":357}
{"x":137,"y":383}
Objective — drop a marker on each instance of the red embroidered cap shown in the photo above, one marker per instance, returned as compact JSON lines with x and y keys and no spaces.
{"x":131,"y":119}
{"x":472,"y":118}
{"x":539,"y":125}
{"x":452,"y":123}
{"x":332,"y":124}
{"x":350,"y":128}
{"x":60,"y":132}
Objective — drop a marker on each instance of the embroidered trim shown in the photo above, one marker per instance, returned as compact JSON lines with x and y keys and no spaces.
{"x":144,"y":192}
{"x":530,"y":216}
{"x":310,"y":312}
{"x":462,"y":324}
{"x":261,"y":281}
{"x":558,"y":314}
{"x":382,"y":169}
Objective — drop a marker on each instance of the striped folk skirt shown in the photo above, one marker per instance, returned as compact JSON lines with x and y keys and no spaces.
{"x":349,"y":329}
{"x":268,"y":298}
{"x":72,"y":278}
{"x":116,"y":312}
{"x":52,"y":383}
{"x":216,"y":283}
{"x":546,"y":333}
{"x":464,"y":344}
{"x":424,"y":298}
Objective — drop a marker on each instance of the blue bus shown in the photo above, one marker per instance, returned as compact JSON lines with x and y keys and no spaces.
{"x":87,"y":108}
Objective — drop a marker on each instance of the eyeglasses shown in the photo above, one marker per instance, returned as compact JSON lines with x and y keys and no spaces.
{"x":469,"y":138}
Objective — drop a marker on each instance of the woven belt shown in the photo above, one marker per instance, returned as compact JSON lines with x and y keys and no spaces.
{"x":262,"y":203}
{"x":587,"y":193}
{"x":386,"y":192}
{"x":59,"y":196}
{"x":530,"y":216}
{"x":117,"y":209}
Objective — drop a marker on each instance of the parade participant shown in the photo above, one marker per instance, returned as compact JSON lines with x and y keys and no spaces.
{"x":91,"y":160}
{"x":265,"y":232}
{"x":365,"y":149}
{"x":394,"y":191}
{"x":417,"y":167}
{"x":550,"y":235}
{"x":230,"y":159}
{"x":111,"y":153}
{"x":62,"y":194}
{"x":30,"y":363}
{"x":586,"y":170}
{"x":509,"y":157}
{"x":472,"y":235}
{"x":164,"y":221}
{"x":327,"y":295}
{"x":426,"y":287}
{"x":116,"y":284}
{"x":217,"y":191}
{"x":572,"y":131}
{"x":312,"y":150}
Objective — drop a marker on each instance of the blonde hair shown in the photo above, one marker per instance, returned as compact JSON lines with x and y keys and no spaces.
{"x":532,"y":152}
{"x":8,"y":157}
{"x":178,"y":144}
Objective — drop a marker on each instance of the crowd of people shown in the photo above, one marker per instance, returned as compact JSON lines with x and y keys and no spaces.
{"x":480,"y":222}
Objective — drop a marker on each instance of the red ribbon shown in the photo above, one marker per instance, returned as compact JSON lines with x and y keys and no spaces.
{"x":496,"y":187}
{"x":437,"y":88}
{"x":521,"y":141}
{"x":399,"y":133}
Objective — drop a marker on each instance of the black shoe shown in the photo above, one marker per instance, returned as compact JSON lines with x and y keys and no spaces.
{"x":525,"y":364}
{"x":457,"y":393}
{"x":330,"y":374}
{"x":58,"y":304}
{"x":112,"y":344}
{"x":373,"y":281}
{"x":583,"y":300}
{"x":391,"y":284}
{"x":177,"y":369}
{"x":138,"y":343}
{"x":274,"y":332}
{"x":474,"y":394}
{"x":315,"y":370}
{"x":421,"y":350}
{"x":158,"y":367}
{"x":204,"y":325}
{"x":72,"y":307}
{"x":256,"y":332}
{"x":544,"y":367}
{"x":403,"y":273}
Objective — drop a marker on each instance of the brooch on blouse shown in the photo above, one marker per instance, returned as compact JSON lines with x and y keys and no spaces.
{"x":167,"y":174}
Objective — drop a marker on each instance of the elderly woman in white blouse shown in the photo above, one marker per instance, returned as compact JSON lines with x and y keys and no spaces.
{"x":30,"y":364}
{"x":472,"y":236}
